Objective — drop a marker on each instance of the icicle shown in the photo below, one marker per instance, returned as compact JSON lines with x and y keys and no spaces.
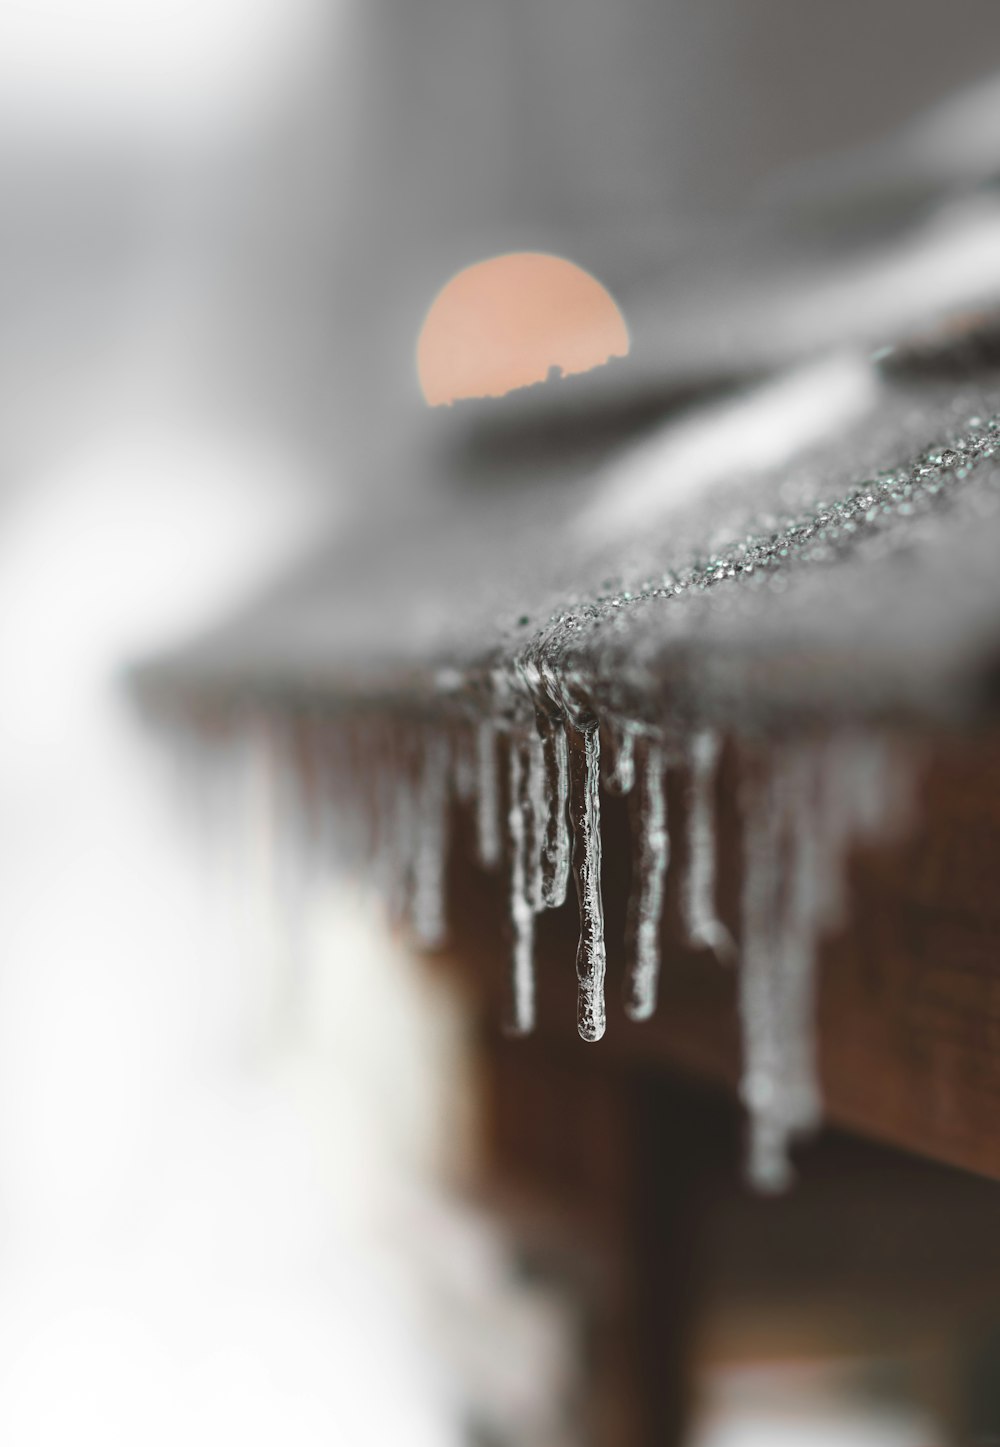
{"x":355,"y":765}
{"x":431,"y":843}
{"x":801,"y":791}
{"x":850,"y":776}
{"x":804,"y":810}
{"x":291,"y":804}
{"x":555,"y":860}
{"x":646,"y":903}
{"x":313,"y":743}
{"x":799,"y":802}
{"x":785,"y":900}
{"x":698,"y":894}
{"x":866,"y":792}
{"x":465,"y":766}
{"x":768,"y":1161}
{"x":585,"y":803}
{"x":877,"y":776}
{"x":537,"y":820}
{"x":276,"y":857}
{"x":620,"y":777}
{"x":396,"y":806}
{"x":488,"y":796}
{"x":522,"y":911}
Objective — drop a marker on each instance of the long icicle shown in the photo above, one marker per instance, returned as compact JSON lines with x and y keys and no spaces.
{"x":768,"y":1158}
{"x":556,"y":844}
{"x":800,"y":1094}
{"x":537,"y":819}
{"x":430,"y":856}
{"x":522,"y":997}
{"x":620,"y":778}
{"x":591,"y":963}
{"x":804,"y":808}
{"x":465,"y":764}
{"x":646,"y":902}
{"x":783,"y":915}
{"x":701,"y":922}
{"x":397,"y":828}
{"x":487,"y":796}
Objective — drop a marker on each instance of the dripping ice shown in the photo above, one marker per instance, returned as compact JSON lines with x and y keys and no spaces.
{"x":431,"y":843}
{"x":651,"y":856}
{"x":390,"y":790}
{"x":538,"y":792}
{"x":556,"y":842}
{"x":585,"y":804}
{"x":487,"y":795}
{"x":620,"y":777}
{"x":805,"y":804}
{"x":522,"y":901}
{"x":698,"y":894}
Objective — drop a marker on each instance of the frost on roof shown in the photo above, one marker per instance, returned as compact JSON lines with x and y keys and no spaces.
{"x":801,"y":600}
{"x":858,"y":574}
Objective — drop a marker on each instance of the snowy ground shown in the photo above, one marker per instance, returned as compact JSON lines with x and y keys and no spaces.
{"x":176,"y":1261}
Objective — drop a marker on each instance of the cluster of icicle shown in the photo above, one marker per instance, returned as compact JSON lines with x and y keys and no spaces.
{"x":535,"y":791}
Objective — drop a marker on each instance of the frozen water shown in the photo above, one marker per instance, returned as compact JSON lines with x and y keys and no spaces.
{"x":465,"y":775}
{"x":760,"y":967}
{"x":488,"y":795}
{"x":522,"y":907}
{"x":698,"y":895}
{"x":585,"y":803}
{"x":855,"y":582}
{"x":396,"y":807}
{"x":538,"y":819}
{"x":805,"y":804}
{"x":431,"y":843}
{"x":649,"y":874}
{"x":805,"y":801}
{"x":556,"y":846}
{"x":620,"y":777}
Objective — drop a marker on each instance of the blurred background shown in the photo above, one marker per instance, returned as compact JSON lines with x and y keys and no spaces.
{"x":235,"y":1114}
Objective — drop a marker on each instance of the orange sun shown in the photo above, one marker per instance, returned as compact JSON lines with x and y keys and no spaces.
{"x":506,"y":322}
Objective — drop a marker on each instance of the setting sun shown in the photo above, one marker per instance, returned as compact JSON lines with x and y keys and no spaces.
{"x":507,"y":322}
